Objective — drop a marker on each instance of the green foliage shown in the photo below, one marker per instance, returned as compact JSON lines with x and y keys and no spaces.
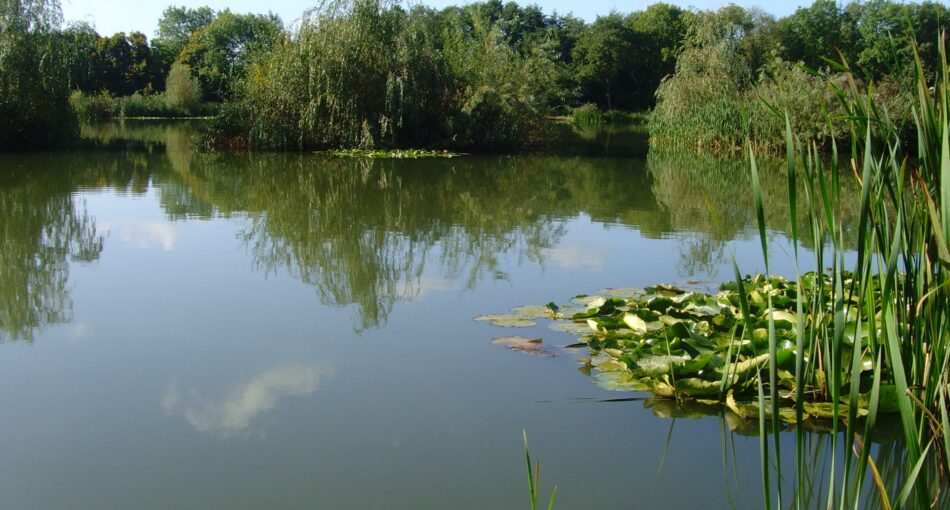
{"x":370,"y":74}
{"x":715,"y":101}
{"x":93,"y":107}
{"x":100,"y":106}
{"x":34,"y":84}
{"x":706,"y":102}
{"x":182,"y":91}
{"x":810,"y":101}
{"x":220,"y":52}
{"x":175,"y":28}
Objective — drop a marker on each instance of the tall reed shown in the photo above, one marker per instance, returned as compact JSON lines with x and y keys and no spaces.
{"x":874,"y":335}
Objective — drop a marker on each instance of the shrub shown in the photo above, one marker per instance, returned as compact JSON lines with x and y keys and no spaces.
{"x":586,"y":114}
{"x":95,"y":107}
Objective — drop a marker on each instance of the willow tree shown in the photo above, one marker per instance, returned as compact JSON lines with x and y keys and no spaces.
{"x":34,"y":77}
{"x":370,"y":73}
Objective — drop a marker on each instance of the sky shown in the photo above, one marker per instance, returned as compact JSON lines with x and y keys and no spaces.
{"x":111,"y":16}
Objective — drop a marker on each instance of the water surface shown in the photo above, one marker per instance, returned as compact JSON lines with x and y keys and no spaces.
{"x":187,"y":330}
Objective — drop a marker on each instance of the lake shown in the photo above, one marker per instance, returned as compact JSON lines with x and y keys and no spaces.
{"x":189,"y":330}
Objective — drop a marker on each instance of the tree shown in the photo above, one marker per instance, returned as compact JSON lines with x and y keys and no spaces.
{"x":816,"y":32}
{"x":662,"y":28}
{"x":34,"y":76}
{"x":605,"y":60}
{"x":175,"y":27}
{"x":220,"y":52}
{"x":182,"y":90}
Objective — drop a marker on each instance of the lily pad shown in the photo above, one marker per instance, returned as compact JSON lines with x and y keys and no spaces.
{"x":532,"y":311}
{"x":529,"y":346}
{"x":578,"y":329}
{"x":588,"y":301}
{"x":621,"y":293}
{"x":507,"y":321}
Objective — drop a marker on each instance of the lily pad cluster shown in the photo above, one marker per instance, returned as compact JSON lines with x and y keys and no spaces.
{"x":701,"y":347}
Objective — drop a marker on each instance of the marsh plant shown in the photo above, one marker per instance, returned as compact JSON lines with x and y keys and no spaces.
{"x":898,"y":299}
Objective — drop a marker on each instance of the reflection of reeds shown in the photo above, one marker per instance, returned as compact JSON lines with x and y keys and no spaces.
{"x":900,"y":294}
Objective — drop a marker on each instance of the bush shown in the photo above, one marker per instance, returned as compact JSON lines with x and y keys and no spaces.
{"x":142,"y":105}
{"x":586,"y":114}
{"x":90,"y":108}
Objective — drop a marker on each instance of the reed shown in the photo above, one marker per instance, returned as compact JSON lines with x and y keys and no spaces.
{"x":880,"y":328}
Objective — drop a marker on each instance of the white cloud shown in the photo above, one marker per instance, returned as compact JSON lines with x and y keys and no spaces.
{"x":232,"y":414}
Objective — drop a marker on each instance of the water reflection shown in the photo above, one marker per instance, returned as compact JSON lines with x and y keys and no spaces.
{"x":143,"y":234}
{"x":232,"y":413}
{"x":369,"y":234}
{"x":709,"y":201}
{"x":42,"y":230}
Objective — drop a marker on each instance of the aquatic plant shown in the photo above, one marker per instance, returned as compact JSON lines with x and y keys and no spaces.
{"x":534,"y":478}
{"x":900,"y":294}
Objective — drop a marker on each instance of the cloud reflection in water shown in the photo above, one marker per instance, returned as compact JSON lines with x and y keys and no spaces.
{"x":231,"y":415}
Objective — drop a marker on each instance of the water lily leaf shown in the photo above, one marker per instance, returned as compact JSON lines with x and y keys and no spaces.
{"x":661,"y":304}
{"x":507,"y":321}
{"x":744,"y":410}
{"x":824,"y":410}
{"x":697,"y":387}
{"x":529,"y":346}
{"x":635,"y":323}
{"x":575,"y":328}
{"x":585,"y":300}
{"x":659,"y":364}
{"x":665,"y":290}
{"x":619,"y":381}
{"x":621,"y":293}
{"x":782,"y":315}
{"x":887,"y":400}
{"x":532,"y":311}
{"x":607,"y":363}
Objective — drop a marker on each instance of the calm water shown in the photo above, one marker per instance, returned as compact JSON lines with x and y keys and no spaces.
{"x":182,"y":330}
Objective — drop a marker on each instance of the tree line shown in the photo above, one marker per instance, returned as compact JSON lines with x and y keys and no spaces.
{"x":532,"y":64}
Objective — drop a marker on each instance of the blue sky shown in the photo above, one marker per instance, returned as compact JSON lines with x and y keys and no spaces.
{"x":110,"y":16}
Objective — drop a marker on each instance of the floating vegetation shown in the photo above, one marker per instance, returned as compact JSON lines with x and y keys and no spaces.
{"x":391,"y":154}
{"x":709,"y":349}
{"x":521,"y":316}
{"x":529,"y":346}
{"x":507,"y":320}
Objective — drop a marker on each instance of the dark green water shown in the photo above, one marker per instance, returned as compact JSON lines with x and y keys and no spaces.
{"x":182,"y":330}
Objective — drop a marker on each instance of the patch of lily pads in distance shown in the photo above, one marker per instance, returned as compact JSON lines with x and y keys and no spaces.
{"x":697,"y":348}
{"x":391,"y":154}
